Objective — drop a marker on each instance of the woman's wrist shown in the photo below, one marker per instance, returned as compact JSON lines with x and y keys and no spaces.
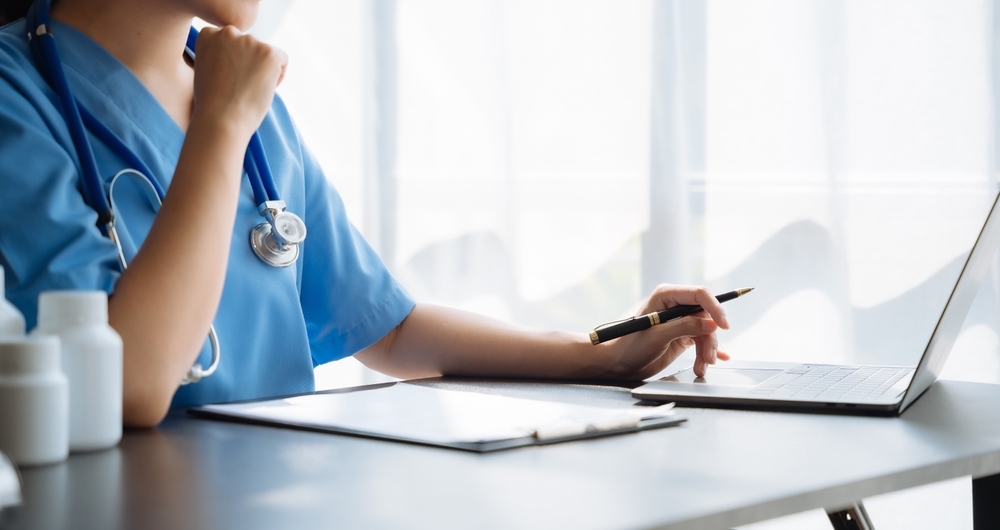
{"x":221,"y":127}
{"x":589,"y":361}
{"x":216,"y":147}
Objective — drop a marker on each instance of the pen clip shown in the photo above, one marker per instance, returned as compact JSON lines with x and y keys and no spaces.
{"x":612,"y":323}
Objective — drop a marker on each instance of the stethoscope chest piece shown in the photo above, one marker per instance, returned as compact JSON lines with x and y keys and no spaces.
{"x":276,"y":242}
{"x":268,"y":251}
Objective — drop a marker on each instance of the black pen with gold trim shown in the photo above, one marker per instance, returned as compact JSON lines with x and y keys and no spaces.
{"x":620,"y":328}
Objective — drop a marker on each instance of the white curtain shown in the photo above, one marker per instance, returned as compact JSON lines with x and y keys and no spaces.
{"x":549,"y":162}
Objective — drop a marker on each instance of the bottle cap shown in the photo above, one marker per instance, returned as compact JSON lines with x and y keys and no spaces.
{"x":29,"y":355}
{"x":72,"y":308}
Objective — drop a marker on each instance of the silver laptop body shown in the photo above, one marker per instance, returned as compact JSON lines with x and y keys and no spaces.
{"x":851,"y":389}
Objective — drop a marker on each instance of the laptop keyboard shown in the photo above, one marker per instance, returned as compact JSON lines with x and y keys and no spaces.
{"x":831,"y":382}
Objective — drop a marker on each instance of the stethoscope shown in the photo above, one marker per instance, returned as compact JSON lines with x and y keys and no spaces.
{"x":275,"y":242}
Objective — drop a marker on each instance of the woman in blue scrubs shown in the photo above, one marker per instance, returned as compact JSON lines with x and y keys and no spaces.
{"x":190,"y":264}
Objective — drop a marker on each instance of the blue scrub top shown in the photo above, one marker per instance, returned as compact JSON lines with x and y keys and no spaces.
{"x":274,"y":325}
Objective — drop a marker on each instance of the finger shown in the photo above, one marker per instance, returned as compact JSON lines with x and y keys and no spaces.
{"x":701,"y":351}
{"x":689,"y":326}
{"x":712,"y":306}
{"x":714,"y":340}
{"x":724,"y":356}
{"x":699,"y":367}
{"x":205,"y":36}
{"x":684,"y":343}
{"x":710,"y":352}
{"x":665,"y":296}
{"x":679,"y":334}
{"x":706,"y":349}
{"x":700,"y":361}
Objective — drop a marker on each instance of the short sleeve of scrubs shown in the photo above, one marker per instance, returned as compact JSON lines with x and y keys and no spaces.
{"x":349,"y":299}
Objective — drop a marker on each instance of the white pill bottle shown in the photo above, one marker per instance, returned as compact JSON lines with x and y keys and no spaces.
{"x":92,"y":362}
{"x":11,"y":320}
{"x":33,"y":401}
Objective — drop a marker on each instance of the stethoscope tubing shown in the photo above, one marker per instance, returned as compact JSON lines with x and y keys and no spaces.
{"x":46,"y":55}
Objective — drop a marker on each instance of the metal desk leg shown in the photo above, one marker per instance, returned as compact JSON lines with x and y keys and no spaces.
{"x":854,"y":517}
{"x":986,"y":503}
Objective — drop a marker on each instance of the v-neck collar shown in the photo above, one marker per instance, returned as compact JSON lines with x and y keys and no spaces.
{"x":120,"y":100}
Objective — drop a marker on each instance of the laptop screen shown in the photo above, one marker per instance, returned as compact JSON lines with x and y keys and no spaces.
{"x":957,"y":307}
{"x":862,"y":277}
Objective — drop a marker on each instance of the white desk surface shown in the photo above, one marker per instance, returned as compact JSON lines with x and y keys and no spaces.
{"x":719,"y":470}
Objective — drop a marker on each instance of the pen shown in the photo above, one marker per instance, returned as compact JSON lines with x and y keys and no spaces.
{"x":620,"y":328}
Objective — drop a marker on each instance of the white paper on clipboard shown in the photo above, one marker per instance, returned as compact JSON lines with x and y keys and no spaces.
{"x":450,"y":418}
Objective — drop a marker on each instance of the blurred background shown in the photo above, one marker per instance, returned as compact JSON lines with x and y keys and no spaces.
{"x":549,"y":162}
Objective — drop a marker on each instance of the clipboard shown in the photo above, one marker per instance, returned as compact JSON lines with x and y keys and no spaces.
{"x":453,"y":419}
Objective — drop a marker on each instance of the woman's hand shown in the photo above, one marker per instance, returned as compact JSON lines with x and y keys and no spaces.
{"x":235,"y":76}
{"x":644,"y":354}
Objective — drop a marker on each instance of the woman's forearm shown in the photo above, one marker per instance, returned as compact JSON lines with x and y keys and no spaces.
{"x":435,"y":340}
{"x":165,"y":301}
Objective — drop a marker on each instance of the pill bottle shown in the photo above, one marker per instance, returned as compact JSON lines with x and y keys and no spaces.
{"x":11,"y":320}
{"x":34,"y":402}
{"x":92,"y":362}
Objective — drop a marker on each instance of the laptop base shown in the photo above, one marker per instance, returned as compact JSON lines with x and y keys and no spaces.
{"x":739,"y":385}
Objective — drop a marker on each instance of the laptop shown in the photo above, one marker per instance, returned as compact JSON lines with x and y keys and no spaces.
{"x":847,"y":389}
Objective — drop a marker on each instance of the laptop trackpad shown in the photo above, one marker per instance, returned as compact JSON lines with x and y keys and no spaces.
{"x":718,"y":376}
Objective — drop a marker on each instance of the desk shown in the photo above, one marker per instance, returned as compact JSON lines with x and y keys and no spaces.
{"x":719,"y":470}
